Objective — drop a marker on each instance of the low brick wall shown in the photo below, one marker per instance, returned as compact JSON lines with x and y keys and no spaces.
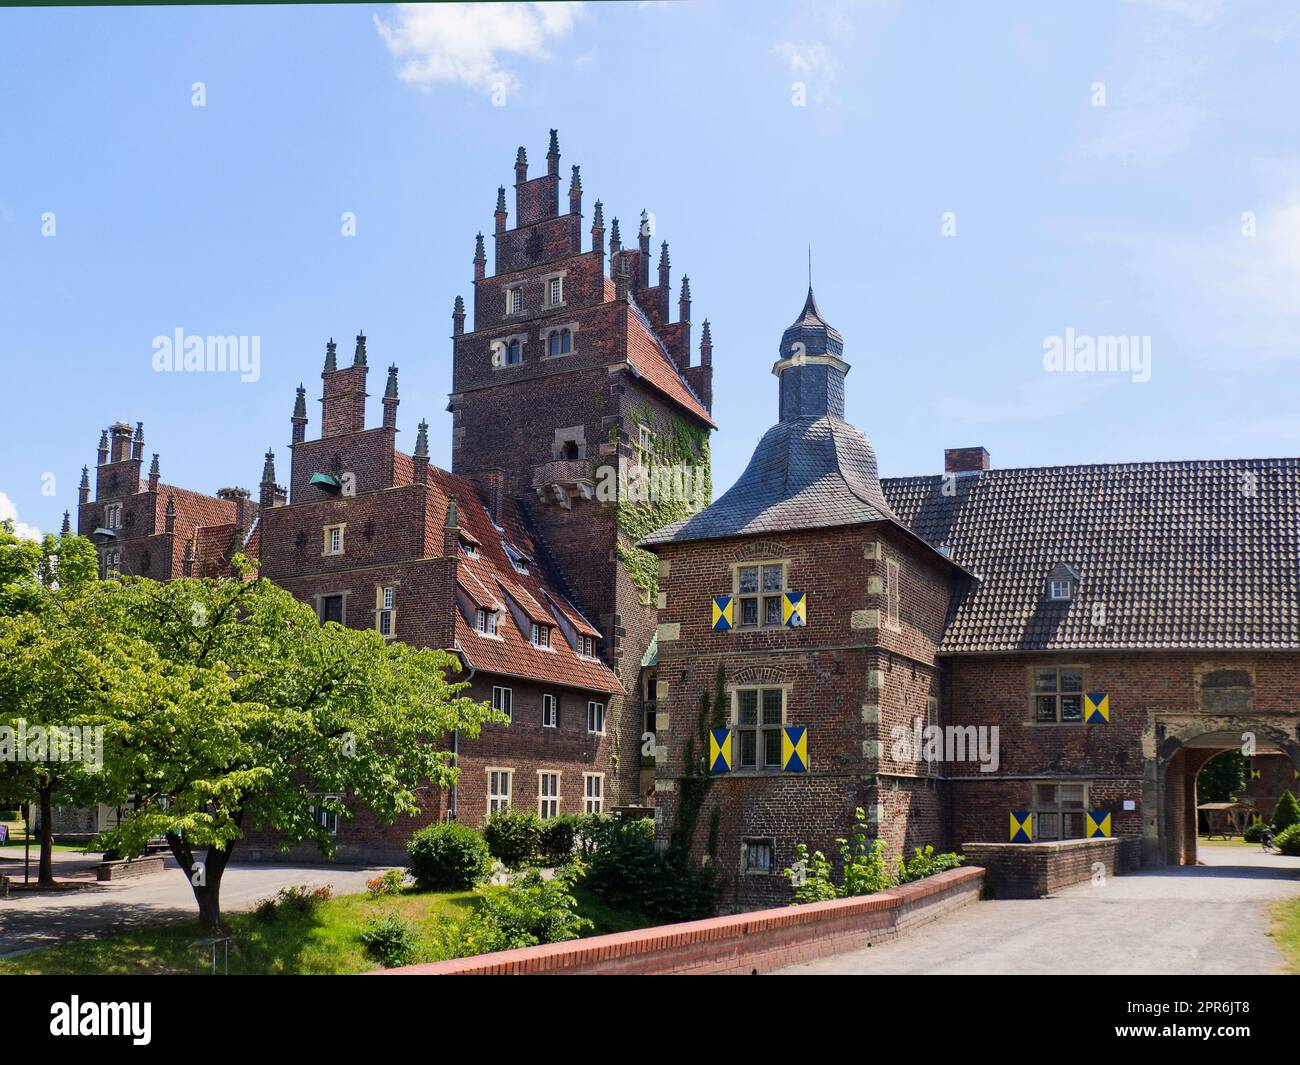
{"x":1031,"y":870}
{"x":759,"y":941}
{"x":127,"y":870}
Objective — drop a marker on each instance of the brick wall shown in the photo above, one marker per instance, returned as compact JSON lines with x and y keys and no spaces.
{"x":1031,"y":870}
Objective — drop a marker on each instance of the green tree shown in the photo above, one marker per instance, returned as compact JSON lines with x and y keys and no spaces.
{"x":246,"y":710}
{"x":1222,"y":777}
{"x":54,"y":673}
{"x":1286,"y":813}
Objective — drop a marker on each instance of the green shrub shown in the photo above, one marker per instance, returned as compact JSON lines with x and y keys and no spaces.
{"x":557,"y":838}
{"x":513,"y":836}
{"x":1286,"y":813}
{"x":296,"y":898}
{"x":1288,"y":841}
{"x":1253,"y":832}
{"x":390,"y":940}
{"x":532,"y":910}
{"x":464,"y":936}
{"x":447,"y":857}
{"x":627,"y":872}
{"x":810,"y":876}
{"x":588,"y":830}
{"x":390,"y":883}
{"x":926,"y":863}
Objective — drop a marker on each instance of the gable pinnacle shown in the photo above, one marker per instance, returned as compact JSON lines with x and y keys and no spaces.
{"x":268,"y":467}
{"x":300,"y":404}
{"x":501,"y":197}
{"x":554,"y":149}
{"x":331,"y":356}
{"x":422,"y":440}
{"x":390,"y":389}
{"x":153,"y":466}
{"x":359,"y":358}
{"x":67,"y":524}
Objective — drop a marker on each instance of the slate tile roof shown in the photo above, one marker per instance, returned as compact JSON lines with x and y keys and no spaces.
{"x":806,"y":473}
{"x":1199,"y":554}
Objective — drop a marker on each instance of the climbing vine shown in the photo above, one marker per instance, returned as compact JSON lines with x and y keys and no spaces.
{"x":678,"y":482}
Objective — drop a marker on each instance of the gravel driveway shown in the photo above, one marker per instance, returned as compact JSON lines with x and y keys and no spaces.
{"x":1180,"y":920}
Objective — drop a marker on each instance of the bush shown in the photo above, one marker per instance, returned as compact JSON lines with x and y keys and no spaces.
{"x":627,"y":872}
{"x":588,"y":830}
{"x":390,"y":940}
{"x":513,"y":836}
{"x":388,"y":884}
{"x":557,"y":837}
{"x":297,"y":898}
{"x":447,"y":857}
{"x":1288,"y":841}
{"x":533,"y":910}
{"x":1286,"y":813}
{"x":1253,"y":832}
{"x":926,"y":863}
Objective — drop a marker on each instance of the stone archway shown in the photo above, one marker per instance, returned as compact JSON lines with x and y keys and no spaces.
{"x":1169,"y":784}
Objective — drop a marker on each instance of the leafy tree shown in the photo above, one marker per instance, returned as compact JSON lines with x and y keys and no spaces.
{"x":1222,"y":777}
{"x":246,"y":707}
{"x":54,"y":674}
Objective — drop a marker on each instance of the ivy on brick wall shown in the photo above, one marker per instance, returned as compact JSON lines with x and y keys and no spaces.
{"x":684,"y":447}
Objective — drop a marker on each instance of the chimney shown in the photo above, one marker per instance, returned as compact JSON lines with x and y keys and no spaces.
{"x":240,"y":497}
{"x":965,"y":460}
{"x":492,"y":484}
{"x":120,"y":447}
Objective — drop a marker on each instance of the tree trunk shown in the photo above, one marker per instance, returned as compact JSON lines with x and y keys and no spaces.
{"x":45,"y":876}
{"x":205,"y":878}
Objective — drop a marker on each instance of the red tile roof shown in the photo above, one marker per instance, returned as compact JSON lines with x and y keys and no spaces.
{"x":648,"y":357}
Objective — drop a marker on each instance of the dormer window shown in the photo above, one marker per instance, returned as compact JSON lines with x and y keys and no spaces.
{"x":541,"y":635}
{"x":587,"y":646}
{"x":1062,"y":583}
{"x":467,"y":549}
{"x":517,"y":558}
{"x":486,"y":622}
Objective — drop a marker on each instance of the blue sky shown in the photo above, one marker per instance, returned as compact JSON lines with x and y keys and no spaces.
{"x":1115,"y":168}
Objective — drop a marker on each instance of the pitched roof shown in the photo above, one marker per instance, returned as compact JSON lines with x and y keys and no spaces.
{"x":651,"y":361}
{"x":1199,"y":554}
{"x":806,"y":473}
{"x":489,"y":576}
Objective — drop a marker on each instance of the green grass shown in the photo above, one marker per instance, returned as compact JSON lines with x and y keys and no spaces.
{"x":1286,"y":931}
{"x":1236,"y":841}
{"x":323,"y":941}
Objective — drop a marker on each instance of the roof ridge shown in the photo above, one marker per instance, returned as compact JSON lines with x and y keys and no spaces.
{"x":1152,"y":463}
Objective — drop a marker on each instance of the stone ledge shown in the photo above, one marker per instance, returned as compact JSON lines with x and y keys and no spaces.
{"x":759,"y":941}
{"x":127,"y":870}
{"x":1032,"y":870}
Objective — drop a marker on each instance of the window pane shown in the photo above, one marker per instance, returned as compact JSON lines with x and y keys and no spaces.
{"x":749,"y":578}
{"x":772,"y":706}
{"x":772,"y":610}
{"x":748,"y":748}
{"x":772,"y":578}
{"x":1048,"y":827}
{"x":1071,"y":707}
{"x":1046,"y":708}
{"x":749,"y":611}
{"x":1045,"y":794}
{"x":748,"y":707}
{"x":772,"y":747}
{"x":1072,"y":826}
{"x":1070,"y":796}
{"x":1072,"y":680}
{"x":1045,"y":680}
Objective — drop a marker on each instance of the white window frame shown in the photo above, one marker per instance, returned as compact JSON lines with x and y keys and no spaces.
{"x":1060,"y":589}
{"x":553,"y":300}
{"x":113,"y":516}
{"x":500,"y":788}
{"x":327,"y":545}
{"x":540,"y":636}
{"x":503,"y":699}
{"x":758,"y":844}
{"x":548,"y":793}
{"x":328,"y":819}
{"x":593,"y":793}
{"x":514,"y":300}
{"x":595,"y":716}
{"x":550,"y":710}
{"x":386,"y":615}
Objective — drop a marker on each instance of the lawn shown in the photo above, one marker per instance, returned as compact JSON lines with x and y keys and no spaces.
{"x":1286,"y":931}
{"x":324,"y":941}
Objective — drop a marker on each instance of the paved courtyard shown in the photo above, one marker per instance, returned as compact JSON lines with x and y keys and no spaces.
{"x":1183,"y":920}
{"x":36,"y":920}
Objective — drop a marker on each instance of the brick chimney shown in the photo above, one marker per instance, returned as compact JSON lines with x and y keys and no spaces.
{"x":965,"y":460}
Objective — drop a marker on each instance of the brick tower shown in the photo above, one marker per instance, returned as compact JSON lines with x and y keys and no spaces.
{"x":567,"y":375}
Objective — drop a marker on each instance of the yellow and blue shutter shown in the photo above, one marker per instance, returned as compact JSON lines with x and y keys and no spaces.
{"x":720,"y":750}
{"x":794,"y":749}
{"x":1022,"y":826}
{"x":724,"y":612}
{"x":794,"y":609}
{"x":1096,"y":708}
{"x":1098,"y":824}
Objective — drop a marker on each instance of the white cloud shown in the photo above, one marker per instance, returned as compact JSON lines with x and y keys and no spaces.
{"x":470,"y":43}
{"x":9,"y":512}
